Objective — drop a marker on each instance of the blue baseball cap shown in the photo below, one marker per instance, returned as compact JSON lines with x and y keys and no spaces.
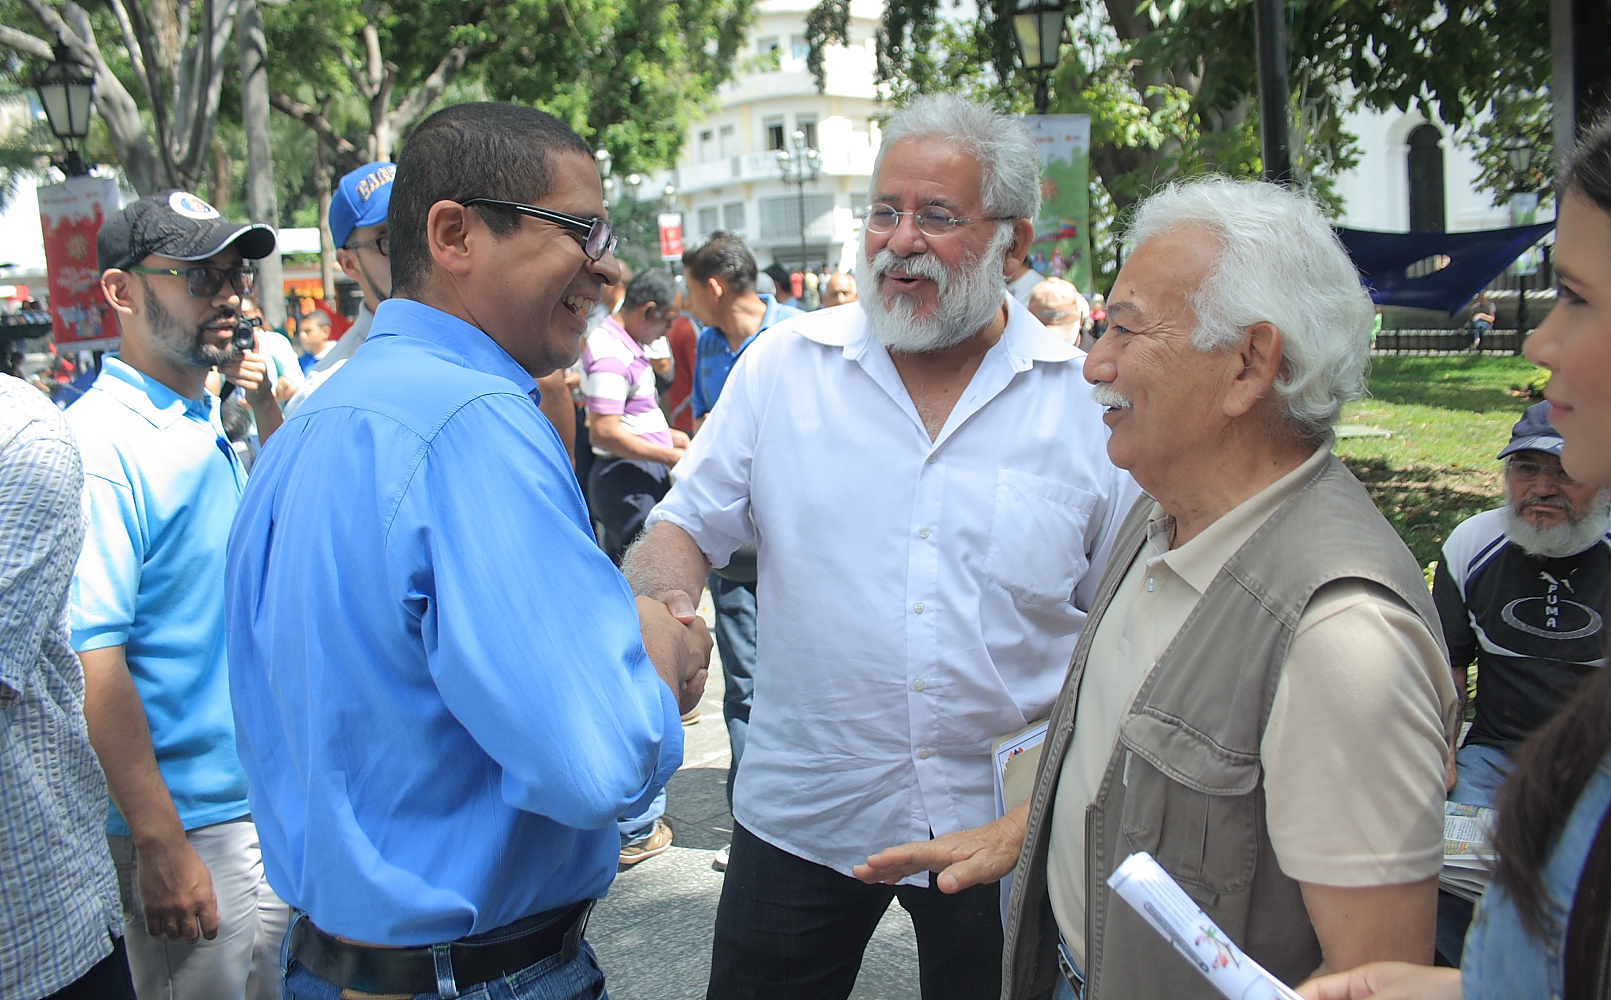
{"x":1534,"y":432}
{"x":361,"y":199}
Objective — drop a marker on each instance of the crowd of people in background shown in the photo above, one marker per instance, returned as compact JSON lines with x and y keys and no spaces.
{"x":358,"y":667}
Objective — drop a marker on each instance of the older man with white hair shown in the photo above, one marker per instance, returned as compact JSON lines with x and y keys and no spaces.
{"x":927,"y":482}
{"x":1260,"y":699}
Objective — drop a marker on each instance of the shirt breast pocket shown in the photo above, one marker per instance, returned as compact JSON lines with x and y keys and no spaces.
{"x":1037,"y":537}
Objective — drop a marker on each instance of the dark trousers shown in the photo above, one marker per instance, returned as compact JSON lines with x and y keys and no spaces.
{"x":584,"y":450}
{"x":108,"y":979}
{"x":621,"y":492}
{"x":735,"y":641}
{"x":788,"y":929}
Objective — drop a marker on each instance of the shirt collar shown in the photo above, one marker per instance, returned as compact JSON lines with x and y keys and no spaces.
{"x":157,"y":403}
{"x":1200,"y":560}
{"x":771,"y":316}
{"x":614,"y":325}
{"x":1025,"y":340}
{"x":408,"y":318}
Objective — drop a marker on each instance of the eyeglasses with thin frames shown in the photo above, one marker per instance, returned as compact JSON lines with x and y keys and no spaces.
{"x":382,"y":246}
{"x":932,"y":220}
{"x":597,"y":237}
{"x":1532,"y":471}
{"x":204,"y":282}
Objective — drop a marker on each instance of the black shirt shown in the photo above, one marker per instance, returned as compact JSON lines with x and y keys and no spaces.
{"x":1533,"y":625}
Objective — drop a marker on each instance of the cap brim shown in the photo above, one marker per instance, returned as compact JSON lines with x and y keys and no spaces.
{"x":1540,"y":442}
{"x":254,"y":241}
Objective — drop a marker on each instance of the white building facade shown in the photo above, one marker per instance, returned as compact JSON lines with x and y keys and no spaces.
{"x":1413,"y":175}
{"x":728,"y":176}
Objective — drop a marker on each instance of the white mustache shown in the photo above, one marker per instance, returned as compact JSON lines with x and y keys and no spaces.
{"x":921,"y":265}
{"x":1106,"y":395}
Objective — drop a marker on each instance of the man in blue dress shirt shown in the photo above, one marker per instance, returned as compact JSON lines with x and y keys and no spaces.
{"x":441,"y":687}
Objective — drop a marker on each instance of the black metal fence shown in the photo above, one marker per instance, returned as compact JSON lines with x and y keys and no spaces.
{"x":1445,"y":341}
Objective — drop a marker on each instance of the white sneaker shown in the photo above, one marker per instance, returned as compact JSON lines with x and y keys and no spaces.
{"x":720,"y":863}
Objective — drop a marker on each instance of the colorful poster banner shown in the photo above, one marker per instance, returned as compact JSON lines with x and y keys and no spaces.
{"x":1062,"y":247}
{"x":671,"y":236}
{"x":71,"y":214}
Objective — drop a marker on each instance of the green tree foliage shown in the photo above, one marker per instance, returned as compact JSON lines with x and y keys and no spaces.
{"x":1172,"y":86}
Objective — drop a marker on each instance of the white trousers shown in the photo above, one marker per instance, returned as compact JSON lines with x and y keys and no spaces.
{"x":243,"y":962}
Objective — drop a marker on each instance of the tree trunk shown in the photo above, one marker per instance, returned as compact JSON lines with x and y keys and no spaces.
{"x":260,"y":196}
{"x":323,"y":182}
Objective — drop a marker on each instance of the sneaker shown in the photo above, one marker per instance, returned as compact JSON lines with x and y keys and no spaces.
{"x":690,"y":717}
{"x":658,"y":842}
{"x":720,"y":864}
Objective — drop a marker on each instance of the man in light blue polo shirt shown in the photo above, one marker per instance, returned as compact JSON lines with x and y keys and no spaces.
{"x":161,"y":487}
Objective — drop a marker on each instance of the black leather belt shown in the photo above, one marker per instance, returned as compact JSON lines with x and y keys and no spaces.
{"x":413,"y":970}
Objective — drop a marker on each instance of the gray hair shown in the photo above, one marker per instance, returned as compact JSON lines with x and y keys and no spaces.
{"x":1280,"y":263}
{"x":1008,"y":163}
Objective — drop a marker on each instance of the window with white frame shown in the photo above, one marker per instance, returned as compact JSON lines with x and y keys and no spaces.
{"x":733,"y":216}
{"x":709,"y":220}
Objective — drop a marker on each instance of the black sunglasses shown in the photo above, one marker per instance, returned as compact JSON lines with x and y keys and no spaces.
{"x":597,"y":237}
{"x":204,"y":282}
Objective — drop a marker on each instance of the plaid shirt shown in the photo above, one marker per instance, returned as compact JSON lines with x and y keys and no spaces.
{"x":59,"y":904}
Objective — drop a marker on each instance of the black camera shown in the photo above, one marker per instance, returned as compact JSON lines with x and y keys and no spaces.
{"x":244,"y":339}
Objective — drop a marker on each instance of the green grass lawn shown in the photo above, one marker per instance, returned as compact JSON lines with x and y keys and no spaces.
{"x":1448,"y":417}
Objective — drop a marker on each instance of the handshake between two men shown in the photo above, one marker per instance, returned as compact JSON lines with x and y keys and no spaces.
{"x":678,"y":644}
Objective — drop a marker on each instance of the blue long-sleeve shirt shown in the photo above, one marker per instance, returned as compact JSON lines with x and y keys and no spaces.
{"x":442,"y":699}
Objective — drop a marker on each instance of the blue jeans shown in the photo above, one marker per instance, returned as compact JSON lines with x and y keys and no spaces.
{"x":735,"y":641}
{"x":1482,"y":770}
{"x":636,"y":829}
{"x":553,"y":978}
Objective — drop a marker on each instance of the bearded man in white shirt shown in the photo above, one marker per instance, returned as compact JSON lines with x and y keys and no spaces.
{"x":1261,"y":699}
{"x":927,"y":481}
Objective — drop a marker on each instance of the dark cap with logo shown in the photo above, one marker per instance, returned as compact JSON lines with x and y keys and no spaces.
{"x":1534,"y":432}
{"x":176,"y":224}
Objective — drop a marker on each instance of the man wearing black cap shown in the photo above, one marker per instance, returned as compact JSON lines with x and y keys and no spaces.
{"x":161,"y":487}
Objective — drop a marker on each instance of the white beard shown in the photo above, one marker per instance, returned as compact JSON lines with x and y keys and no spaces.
{"x":1564,"y":539}
{"x":966,"y":298}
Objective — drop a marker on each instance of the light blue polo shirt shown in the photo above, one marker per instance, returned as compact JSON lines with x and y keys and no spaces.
{"x":161,"y":487}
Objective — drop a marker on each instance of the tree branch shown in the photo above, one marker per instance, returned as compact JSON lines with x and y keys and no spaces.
{"x":21,"y":41}
{"x":429,"y":90}
{"x":131,"y":42}
{"x":314,"y":119}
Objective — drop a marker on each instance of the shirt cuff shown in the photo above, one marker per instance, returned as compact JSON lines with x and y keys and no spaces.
{"x":99,"y":637}
{"x":717,"y":546}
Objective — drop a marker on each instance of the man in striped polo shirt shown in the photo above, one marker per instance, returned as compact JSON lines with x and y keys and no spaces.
{"x":634,"y":447}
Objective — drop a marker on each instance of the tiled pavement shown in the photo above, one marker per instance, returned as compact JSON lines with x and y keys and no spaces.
{"x":653,"y":932}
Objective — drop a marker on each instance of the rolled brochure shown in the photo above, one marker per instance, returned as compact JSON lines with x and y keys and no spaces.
{"x":1160,"y":900}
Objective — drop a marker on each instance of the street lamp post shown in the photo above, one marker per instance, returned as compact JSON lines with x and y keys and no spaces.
{"x":800,"y":167}
{"x":65,"y":91}
{"x":1038,"y":26}
{"x":1519,"y":157}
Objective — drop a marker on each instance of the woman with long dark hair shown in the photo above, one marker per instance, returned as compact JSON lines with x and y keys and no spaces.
{"x":1543,"y":929}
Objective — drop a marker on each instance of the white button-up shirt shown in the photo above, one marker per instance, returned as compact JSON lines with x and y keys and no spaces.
{"x":917,"y":598}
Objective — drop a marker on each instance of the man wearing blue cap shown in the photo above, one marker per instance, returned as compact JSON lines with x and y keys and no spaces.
{"x":358,"y":209}
{"x":1520,"y":590}
{"x":363,"y":252}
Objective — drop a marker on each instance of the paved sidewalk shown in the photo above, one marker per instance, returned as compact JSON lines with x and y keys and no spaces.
{"x":653,"y":932}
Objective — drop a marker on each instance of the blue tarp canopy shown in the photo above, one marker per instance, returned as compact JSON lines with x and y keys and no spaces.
{"x":1474,"y":259}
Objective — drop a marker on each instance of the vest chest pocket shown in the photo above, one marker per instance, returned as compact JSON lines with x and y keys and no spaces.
{"x":1037,"y":537}
{"x":1192,"y":805}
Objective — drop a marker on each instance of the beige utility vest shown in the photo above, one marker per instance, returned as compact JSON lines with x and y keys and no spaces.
{"x":1185,"y":782}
